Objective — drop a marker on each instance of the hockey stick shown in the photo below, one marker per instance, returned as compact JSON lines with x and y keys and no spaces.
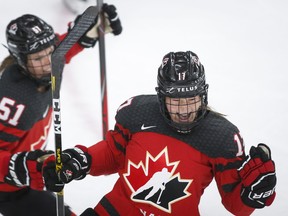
{"x":58,"y":61}
{"x":103,"y":78}
{"x":162,"y":189}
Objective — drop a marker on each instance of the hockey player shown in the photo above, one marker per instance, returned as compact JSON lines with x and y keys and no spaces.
{"x":25,"y":110}
{"x":167,"y":148}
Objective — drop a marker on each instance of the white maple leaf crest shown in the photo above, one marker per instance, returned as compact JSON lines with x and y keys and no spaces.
{"x":155,"y":181}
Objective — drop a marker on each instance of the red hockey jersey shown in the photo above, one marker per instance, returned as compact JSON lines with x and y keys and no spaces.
{"x":163,"y":172}
{"x":25,"y":114}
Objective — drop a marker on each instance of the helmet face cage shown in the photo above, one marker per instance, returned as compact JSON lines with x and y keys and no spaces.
{"x":39,"y":66}
{"x":182,"y":90}
{"x":26,"y":35}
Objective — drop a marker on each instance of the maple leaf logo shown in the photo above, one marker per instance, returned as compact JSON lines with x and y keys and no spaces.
{"x":156,"y":182}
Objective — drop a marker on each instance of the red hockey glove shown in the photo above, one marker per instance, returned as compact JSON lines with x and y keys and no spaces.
{"x":76,"y":164}
{"x":25,"y":169}
{"x":258,"y":177}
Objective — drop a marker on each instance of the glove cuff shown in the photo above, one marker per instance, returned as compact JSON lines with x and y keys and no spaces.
{"x":14,"y":164}
{"x":254,"y":203}
{"x":88,"y":156}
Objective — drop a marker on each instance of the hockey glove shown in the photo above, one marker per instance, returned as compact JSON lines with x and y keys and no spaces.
{"x":50,"y":176}
{"x":76,"y":164}
{"x":112,"y":24}
{"x":258,"y":177}
{"x":25,"y":169}
{"x":112,"y":21}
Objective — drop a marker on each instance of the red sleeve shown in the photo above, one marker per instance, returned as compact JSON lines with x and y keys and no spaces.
{"x":4,"y":162}
{"x":229,"y":186}
{"x":108,"y":156}
{"x":233,"y":203}
{"x":76,"y":48}
{"x":14,"y":132}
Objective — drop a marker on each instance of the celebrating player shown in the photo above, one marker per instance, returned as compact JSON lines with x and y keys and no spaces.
{"x":26,"y":107}
{"x":167,"y":148}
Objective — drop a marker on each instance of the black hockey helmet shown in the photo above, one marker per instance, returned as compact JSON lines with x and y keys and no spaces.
{"x":26,"y":35}
{"x":181,"y":75}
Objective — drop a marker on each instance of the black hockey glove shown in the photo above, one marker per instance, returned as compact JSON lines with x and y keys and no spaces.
{"x":51,"y":179}
{"x":25,"y":169}
{"x":258,"y":177}
{"x":111,"y":19}
{"x":112,"y":24}
{"x":76,"y":164}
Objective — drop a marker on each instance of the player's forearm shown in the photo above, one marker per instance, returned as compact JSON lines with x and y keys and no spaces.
{"x":77,"y":48}
{"x":103,"y":159}
{"x":233,"y":203}
{"x":4,"y":161}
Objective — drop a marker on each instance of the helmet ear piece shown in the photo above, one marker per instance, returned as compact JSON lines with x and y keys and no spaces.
{"x":20,"y":58}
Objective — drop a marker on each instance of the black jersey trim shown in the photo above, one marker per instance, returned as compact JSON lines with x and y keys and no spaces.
{"x":109,"y":207}
{"x":229,"y":187}
{"x":121,"y":132}
{"x":8,"y":137}
{"x":229,"y":166}
{"x":119,"y":146}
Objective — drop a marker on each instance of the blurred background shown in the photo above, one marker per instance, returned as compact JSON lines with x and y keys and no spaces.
{"x":242,"y":44}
